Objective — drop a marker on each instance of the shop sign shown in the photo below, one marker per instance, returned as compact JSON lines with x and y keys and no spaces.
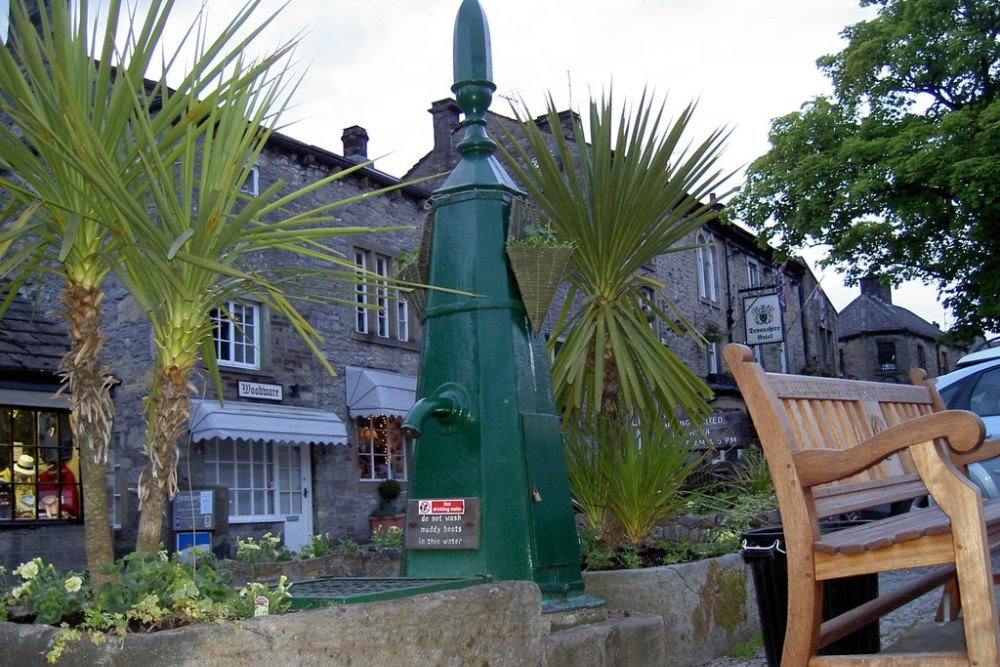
{"x":762,"y":315}
{"x":442,"y":523}
{"x":269,"y":392}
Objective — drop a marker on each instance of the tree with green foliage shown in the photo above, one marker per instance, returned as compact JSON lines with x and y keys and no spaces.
{"x":898,"y":171}
{"x":629,"y":194}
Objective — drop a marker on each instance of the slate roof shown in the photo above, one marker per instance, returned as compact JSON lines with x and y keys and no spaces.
{"x":30,"y":343}
{"x":868,"y":314}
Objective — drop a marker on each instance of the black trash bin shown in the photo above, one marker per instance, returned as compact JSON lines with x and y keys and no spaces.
{"x":764,"y":551}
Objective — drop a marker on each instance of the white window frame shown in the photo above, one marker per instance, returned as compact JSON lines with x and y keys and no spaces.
{"x":753,"y":274}
{"x":251,"y":185}
{"x":361,"y":323}
{"x":382,"y":296}
{"x":240,"y":336}
{"x":713,"y":357}
{"x":706,"y":269}
{"x":261,"y":462}
{"x":402,"y":318}
{"x":647,"y":299}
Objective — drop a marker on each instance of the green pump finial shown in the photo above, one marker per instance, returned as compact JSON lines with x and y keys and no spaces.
{"x":473,"y":67}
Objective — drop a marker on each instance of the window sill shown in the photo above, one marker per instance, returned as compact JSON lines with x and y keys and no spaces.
{"x":386,"y":342}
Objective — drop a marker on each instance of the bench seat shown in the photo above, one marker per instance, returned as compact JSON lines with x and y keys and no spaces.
{"x":901,"y":528}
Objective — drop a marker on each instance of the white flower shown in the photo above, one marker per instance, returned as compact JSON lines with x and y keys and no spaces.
{"x":17,"y":590}
{"x":73,"y":584}
{"x":27,"y":570}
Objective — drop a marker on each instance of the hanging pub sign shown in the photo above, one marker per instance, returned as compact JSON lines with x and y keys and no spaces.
{"x":762,"y":314}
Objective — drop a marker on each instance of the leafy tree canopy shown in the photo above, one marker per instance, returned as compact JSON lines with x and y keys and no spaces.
{"x":898,"y":172}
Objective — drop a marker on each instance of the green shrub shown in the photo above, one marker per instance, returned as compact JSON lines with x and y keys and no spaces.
{"x":265,"y":550}
{"x":319,"y":545}
{"x":387,"y":537}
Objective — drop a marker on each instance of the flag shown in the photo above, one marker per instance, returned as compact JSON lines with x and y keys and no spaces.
{"x":779,"y":284}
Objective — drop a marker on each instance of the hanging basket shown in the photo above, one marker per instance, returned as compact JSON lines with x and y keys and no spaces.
{"x":538,"y":272}
{"x":539,"y":264}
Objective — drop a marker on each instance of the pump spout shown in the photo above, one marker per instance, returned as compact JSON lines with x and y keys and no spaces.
{"x":447,"y":404}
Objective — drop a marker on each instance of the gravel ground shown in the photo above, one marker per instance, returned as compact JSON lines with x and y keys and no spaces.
{"x":892,"y":626}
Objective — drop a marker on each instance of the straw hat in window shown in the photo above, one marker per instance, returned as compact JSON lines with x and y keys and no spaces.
{"x":25,"y":465}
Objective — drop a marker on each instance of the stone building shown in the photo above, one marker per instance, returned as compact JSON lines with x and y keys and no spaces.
{"x":296,"y":451}
{"x":881,"y":341}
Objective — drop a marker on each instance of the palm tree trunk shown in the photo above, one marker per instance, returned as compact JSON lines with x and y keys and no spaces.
{"x":91,"y":417}
{"x":169,"y":404}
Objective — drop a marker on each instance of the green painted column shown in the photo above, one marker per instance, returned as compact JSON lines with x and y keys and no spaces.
{"x":488,"y":492}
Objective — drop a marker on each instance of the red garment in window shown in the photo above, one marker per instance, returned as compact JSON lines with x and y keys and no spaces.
{"x":49,"y":493}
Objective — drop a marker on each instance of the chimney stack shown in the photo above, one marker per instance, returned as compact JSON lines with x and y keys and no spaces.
{"x":872,"y":286}
{"x":355,"y":140}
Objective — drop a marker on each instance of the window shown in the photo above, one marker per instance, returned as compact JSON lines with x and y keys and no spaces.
{"x":706,"y":269}
{"x":647,"y":301}
{"x":251,"y":185}
{"x":115,"y":483}
{"x":247,"y":470}
{"x":39,"y":467}
{"x":985,"y":397}
{"x":376,"y":314}
{"x":713,"y":357}
{"x":236,"y":332}
{"x":381,"y":447}
{"x":753,"y":274}
{"x":886,"y":356}
{"x":921,"y":357}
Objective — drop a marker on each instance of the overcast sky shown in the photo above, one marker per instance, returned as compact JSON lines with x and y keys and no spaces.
{"x":380,"y":64}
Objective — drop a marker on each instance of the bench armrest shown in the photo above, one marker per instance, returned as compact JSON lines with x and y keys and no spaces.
{"x":963,"y":430}
{"x":988,"y":450}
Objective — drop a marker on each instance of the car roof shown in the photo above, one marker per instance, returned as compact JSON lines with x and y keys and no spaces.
{"x":951,"y":378}
{"x":978,"y":357}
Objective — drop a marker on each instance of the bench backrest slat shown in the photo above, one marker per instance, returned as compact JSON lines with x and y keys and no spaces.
{"x":831,"y":413}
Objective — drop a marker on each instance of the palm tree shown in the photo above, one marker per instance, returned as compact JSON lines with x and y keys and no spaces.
{"x":629,"y":195}
{"x":69,"y":103}
{"x":199,"y":247}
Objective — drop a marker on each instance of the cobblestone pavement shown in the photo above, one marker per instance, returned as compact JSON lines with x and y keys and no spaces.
{"x":892,"y":626}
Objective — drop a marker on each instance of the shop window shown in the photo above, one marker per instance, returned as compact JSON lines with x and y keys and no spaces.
{"x":236,"y":333}
{"x":247,"y":470}
{"x":381,"y":447}
{"x":376,"y":313}
{"x":39,"y":467}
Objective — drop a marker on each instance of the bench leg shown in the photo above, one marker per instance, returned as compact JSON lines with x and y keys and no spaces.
{"x":978,"y":605}
{"x":805,"y":602}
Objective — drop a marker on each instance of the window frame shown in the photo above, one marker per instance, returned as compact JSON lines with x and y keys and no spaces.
{"x":707,"y":281}
{"x":236,"y":339}
{"x":213,"y":461}
{"x":396,"y":446}
{"x":53,"y":445}
{"x":381,"y":314}
{"x":251,"y":186}
{"x":882,"y":346}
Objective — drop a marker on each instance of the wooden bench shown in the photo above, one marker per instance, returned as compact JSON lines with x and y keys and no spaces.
{"x":839,"y":446}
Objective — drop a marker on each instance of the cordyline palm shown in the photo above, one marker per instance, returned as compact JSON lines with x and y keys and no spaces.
{"x":198,"y":247}
{"x":70,"y":98}
{"x":630,"y":194}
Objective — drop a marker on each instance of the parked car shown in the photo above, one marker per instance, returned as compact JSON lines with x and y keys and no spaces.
{"x":975,"y":386}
